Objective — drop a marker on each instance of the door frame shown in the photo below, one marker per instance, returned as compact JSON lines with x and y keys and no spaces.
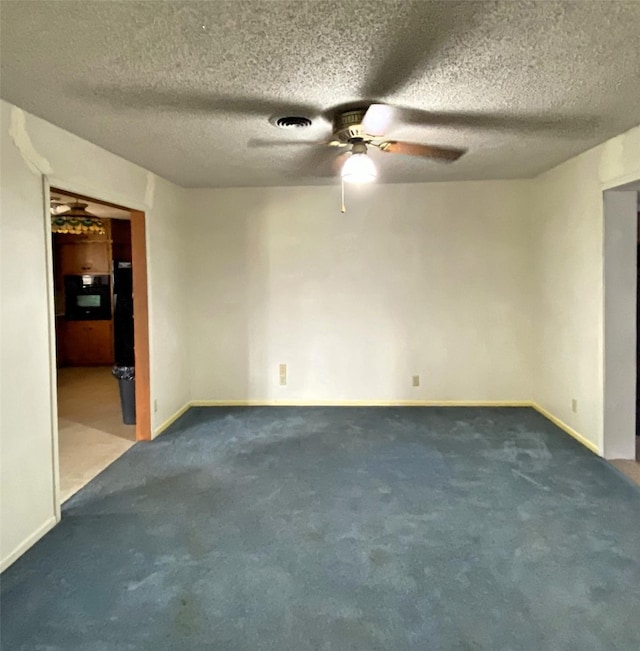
{"x":140,"y":310}
{"x":620,"y":238}
{"x":141,"y":325}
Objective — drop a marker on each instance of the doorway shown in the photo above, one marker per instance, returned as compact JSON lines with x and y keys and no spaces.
{"x":99,"y":278}
{"x":621,"y":328}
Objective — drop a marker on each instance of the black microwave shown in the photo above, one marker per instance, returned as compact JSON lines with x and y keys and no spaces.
{"x":87,"y":297}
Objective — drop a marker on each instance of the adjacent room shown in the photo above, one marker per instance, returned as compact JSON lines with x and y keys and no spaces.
{"x":319,"y":325}
{"x":93,"y":301}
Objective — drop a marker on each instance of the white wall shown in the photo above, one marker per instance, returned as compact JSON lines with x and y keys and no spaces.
{"x":26,"y":453}
{"x":30,"y":147}
{"x":568,"y":298}
{"x":428,"y":279}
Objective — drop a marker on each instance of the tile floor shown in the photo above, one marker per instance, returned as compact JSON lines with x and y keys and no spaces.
{"x":91,"y":434}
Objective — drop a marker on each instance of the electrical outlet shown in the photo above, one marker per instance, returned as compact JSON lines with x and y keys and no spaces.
{"x":416,"y":381}
{"x":574,"y":405}
{"x":155,"y":405}
{"x":283,"y":375}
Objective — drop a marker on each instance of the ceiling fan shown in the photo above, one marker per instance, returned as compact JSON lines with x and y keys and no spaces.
{"x":359,"y":128}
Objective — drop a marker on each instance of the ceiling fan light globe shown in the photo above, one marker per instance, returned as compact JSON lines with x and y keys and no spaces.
{"x":359,"y":168}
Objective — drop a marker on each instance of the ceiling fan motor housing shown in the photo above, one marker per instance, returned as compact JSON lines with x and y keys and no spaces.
{"x":347,"y":126}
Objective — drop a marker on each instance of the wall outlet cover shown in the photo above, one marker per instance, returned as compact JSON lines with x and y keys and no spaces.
{"x":416,"y":381}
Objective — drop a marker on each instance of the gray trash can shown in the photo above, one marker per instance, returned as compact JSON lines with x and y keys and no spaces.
{"x":127,"y":385}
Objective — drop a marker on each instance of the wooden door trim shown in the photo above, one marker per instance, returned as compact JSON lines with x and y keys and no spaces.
{"x":141,"y":325}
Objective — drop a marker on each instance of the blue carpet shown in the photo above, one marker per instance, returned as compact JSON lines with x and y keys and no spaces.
{"x":340,"y":529}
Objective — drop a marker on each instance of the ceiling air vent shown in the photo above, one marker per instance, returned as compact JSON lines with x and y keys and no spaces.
{"x":291,"y":122}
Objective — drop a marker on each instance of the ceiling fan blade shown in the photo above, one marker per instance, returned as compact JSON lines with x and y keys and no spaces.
{"x":378,"y":119}
{"x":445,"y":154}
{"x":254,"y":143}
{"x":419,"y":33}
{"x":525,"y":123}
{"x":140,"y":97}
{"x":320,"y":162}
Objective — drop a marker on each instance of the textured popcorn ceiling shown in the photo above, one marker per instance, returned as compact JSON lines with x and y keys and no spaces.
{"x":185,"y":89}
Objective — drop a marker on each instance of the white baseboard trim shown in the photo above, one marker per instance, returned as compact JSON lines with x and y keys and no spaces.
{"x":360,"y":403}
{"x":28,"y":542}
{"x":569,"y":430}
{"x":172,"y":419}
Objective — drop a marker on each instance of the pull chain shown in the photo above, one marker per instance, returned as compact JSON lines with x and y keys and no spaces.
{"x":343,"y":207}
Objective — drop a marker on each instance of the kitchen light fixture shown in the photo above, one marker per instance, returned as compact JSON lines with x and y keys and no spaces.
{"x":77,"y":221}
{"x":359,"y":168}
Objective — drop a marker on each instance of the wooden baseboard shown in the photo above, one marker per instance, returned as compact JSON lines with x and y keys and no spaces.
{"x":382,"y":403}
{"x":569,"y":430}
{"x":28,"y":542}
{"x":172,"y":419}
{"x":360,"y":403}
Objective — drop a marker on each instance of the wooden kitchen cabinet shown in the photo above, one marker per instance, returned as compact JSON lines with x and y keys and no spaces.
{"x":90,"y":253}
{"x":87,"y":343}
{"x":86,"y":258}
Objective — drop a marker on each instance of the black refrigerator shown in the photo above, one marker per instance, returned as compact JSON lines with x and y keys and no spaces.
{"x":123,"y":313}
